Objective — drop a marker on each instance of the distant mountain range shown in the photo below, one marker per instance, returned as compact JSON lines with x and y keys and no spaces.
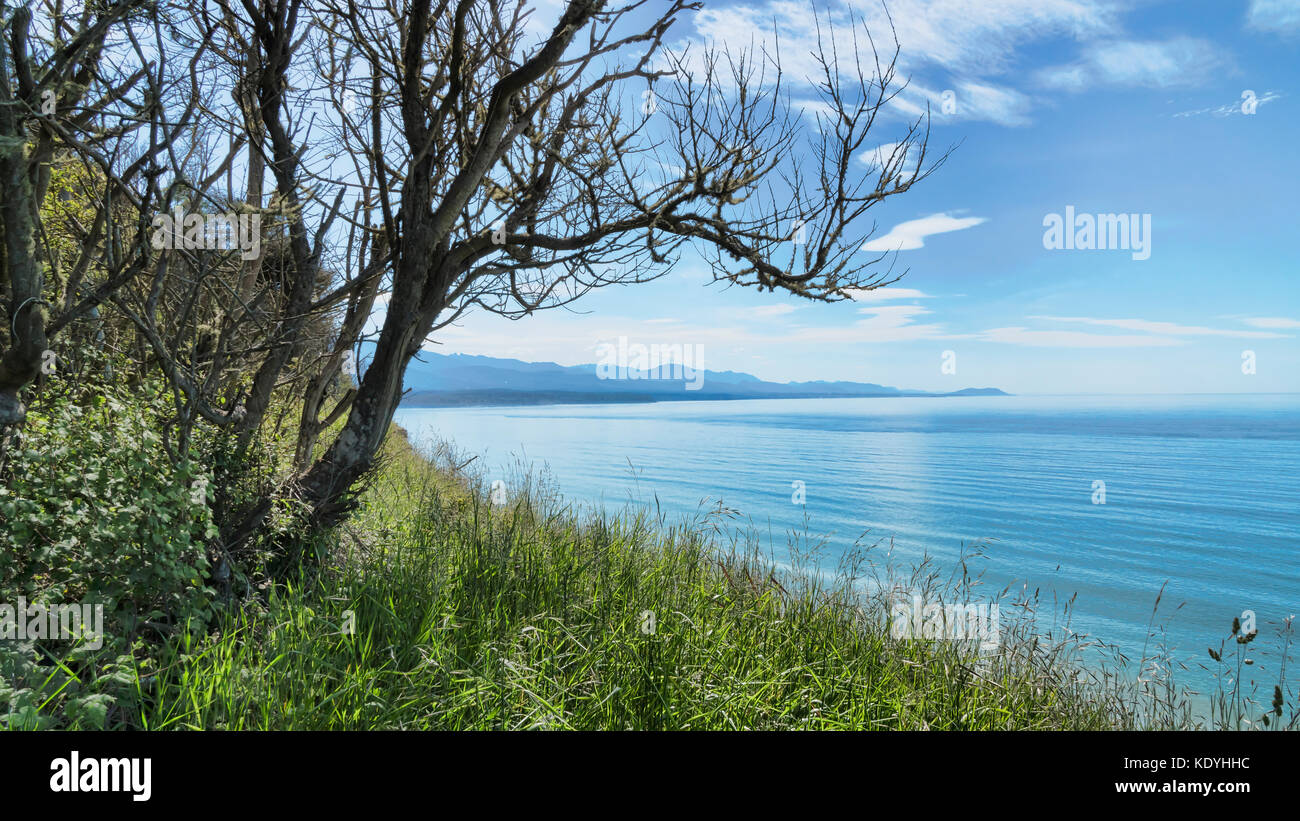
{"x":440,"y":380}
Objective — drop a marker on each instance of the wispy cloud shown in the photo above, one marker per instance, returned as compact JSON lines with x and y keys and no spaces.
{"x":1019,"y":335}
{"x":910,"y":235}
{"x":1272,"y":322}
{"x":1179,"y":61}
{"x":1234,"y":107}
{"x":882,"y":323}
{"x":572,"y":339}
{"x":970,"y":42}
{"x":895,"y":323}
{"x":973,"y":101}
{"x":987,"y":101}
{"x":1166,"y":328}
{"x":1274,"y":15}
{"x":812,"y":109}
{"x":764,"y":311}
{"x":877,"y":157}
{"x":983,"y":37}
{"x":886,"y":293}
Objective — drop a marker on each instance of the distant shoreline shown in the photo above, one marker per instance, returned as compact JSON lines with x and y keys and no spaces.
{"x":462,"y":380}
{"x":506,"y":398}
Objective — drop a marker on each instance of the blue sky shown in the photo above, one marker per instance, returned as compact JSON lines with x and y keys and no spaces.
{"x":1123,"y":107}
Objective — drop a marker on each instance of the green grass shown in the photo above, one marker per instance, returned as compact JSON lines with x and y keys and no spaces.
{"x":525,"y":616}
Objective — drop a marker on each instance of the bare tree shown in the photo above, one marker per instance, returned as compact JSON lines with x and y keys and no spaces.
{"x":442,"y":155}
{"x":513,"y":177}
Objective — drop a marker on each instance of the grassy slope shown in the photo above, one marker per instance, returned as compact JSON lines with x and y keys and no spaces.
{"x":521,"y":616}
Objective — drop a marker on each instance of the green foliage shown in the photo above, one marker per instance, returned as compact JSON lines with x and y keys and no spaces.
{"x":97,"y":509}
{"x":66,"y":212}
{"x":79,"y":691}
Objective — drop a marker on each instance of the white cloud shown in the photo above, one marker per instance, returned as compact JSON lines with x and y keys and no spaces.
{"x":1272,"y":322}
{"x":1274,"y":15}
{"x":772,"y":311}
{"x":1234,"y":107}
{"x":883,"y":323}
{"x":571,"y":339}
{"x":1065,"y":78}
{"x":973,"y":101}
{"x":1073,"y":339}
{"x":769,"y":311}
{"x":894,"y":323}
{"x":1168,"y":328}
{"x":982,"y":37}
{"x":910,"y":235}
{"x":813,"y":109}
{"x":885,"y":293}
{"x":877,"y":157}
{"x":975,"y":40}
{"x":981,"y":101}
{"x":1178,"y":61}
{"x":1154,"y":334}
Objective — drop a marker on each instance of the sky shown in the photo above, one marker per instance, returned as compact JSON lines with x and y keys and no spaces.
{"x":1184,"y":114}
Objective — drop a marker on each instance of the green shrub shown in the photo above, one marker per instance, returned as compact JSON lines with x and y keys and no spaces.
{"x":95,"y":508}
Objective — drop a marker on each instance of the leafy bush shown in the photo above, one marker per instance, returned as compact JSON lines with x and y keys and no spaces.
{"x":78,"y":691}
{"x":96,"y":508}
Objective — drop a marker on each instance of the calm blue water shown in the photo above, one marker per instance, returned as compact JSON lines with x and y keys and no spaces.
{"x":1202,"y":492}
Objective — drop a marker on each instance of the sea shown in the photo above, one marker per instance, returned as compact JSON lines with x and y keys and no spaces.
{"x":1112,"y":502}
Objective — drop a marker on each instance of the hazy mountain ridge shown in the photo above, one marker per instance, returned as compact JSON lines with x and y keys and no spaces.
{"x":462,"y":379}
